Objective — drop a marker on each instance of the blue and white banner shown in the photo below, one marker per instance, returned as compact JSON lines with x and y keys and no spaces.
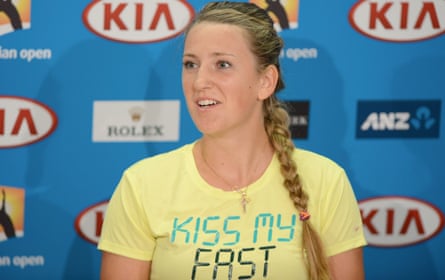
{"x":88,"y":87}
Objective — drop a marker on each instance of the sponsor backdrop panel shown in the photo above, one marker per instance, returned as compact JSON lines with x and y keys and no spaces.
{"x":92,"y":86}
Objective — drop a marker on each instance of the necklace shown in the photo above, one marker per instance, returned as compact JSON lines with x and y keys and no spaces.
{"x":242,"y":191}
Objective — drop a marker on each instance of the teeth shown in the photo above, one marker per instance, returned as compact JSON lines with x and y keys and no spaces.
{"x":206,"y":102}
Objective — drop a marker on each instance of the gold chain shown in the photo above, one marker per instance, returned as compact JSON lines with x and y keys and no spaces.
{"x":243,"y":191}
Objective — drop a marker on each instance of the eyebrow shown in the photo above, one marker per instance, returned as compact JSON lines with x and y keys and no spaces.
{"x":213,"y":54}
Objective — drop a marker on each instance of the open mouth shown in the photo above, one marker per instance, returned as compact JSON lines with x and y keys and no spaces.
{"x":207,"y":103}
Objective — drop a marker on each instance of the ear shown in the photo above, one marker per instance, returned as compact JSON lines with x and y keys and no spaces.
{"x":268,"y":82}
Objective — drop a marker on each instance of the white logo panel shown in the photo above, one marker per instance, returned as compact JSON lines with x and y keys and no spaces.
{"x":136,"y":121}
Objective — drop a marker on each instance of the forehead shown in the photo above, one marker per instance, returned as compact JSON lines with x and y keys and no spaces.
{"x":217,"y":35}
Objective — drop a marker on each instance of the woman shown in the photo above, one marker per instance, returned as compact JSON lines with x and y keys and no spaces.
{"x":241,"y":202}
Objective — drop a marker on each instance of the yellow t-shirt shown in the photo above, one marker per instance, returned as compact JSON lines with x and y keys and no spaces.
{"x":163,"y":211}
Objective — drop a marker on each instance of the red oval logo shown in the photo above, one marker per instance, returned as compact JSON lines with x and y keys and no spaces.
{"x":399,"y":20}
{"x":395,"y":221}
{"x":24,"y":121}
{"x":138,"y":21}
{"x":88,"y":223}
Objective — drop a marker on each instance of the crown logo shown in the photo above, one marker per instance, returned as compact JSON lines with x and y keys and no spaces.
{"x":136,"y":113}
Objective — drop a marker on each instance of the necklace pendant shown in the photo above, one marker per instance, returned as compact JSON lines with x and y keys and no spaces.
{"x":244,"y":200}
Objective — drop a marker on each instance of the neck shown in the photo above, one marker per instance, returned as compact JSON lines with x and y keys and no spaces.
{"x":232,"y":166}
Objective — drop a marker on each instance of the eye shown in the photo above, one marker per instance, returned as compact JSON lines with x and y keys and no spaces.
{"x":189,"y":64}
{"x":223,"y":64}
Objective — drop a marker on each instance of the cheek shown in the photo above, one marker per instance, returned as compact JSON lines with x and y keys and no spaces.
{"x":251,"y":91}
{"x":247,"y":97}
{"x":186,"y":84}
{"x":187,"y":91}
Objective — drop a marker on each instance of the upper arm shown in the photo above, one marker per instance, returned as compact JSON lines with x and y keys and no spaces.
{"x":116,"y":267}
{"x":347,"y":265}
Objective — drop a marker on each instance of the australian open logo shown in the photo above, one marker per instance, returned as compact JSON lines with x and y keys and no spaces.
{"x":14,"y":15}
{"x":398,"y":119}
{"x":283,"y":13}
{"x":12,"y":207}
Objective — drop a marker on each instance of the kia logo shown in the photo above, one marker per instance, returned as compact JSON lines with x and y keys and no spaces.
{"x":399,"y":20}
{"x":395,"y":221}
{"x":24,"y":121}
{"x":88,"y":223}
{"x":137,"y":21}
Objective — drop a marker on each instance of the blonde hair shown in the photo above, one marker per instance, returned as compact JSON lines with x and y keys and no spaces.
{"x":267,"y":46}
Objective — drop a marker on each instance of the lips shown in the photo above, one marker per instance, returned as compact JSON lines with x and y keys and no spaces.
{"x":207,"y":102}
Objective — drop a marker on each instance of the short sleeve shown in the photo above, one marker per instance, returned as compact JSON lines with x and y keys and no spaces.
{"x":126,"y":230}
{"x":341,"y":228}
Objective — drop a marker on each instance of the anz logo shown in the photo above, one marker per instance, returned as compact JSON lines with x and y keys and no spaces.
{"x":398,"y":119}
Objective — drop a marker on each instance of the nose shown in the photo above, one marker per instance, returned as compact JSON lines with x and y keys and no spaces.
{"x":203,"y":78}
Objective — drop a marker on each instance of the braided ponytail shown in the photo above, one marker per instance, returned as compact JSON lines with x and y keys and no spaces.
{"x":276,"y":124}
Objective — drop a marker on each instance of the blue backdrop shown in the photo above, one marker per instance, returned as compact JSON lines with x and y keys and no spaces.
{"x":89,"y":87}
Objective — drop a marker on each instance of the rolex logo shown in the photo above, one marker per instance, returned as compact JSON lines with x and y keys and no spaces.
{"x":135,"y":121}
